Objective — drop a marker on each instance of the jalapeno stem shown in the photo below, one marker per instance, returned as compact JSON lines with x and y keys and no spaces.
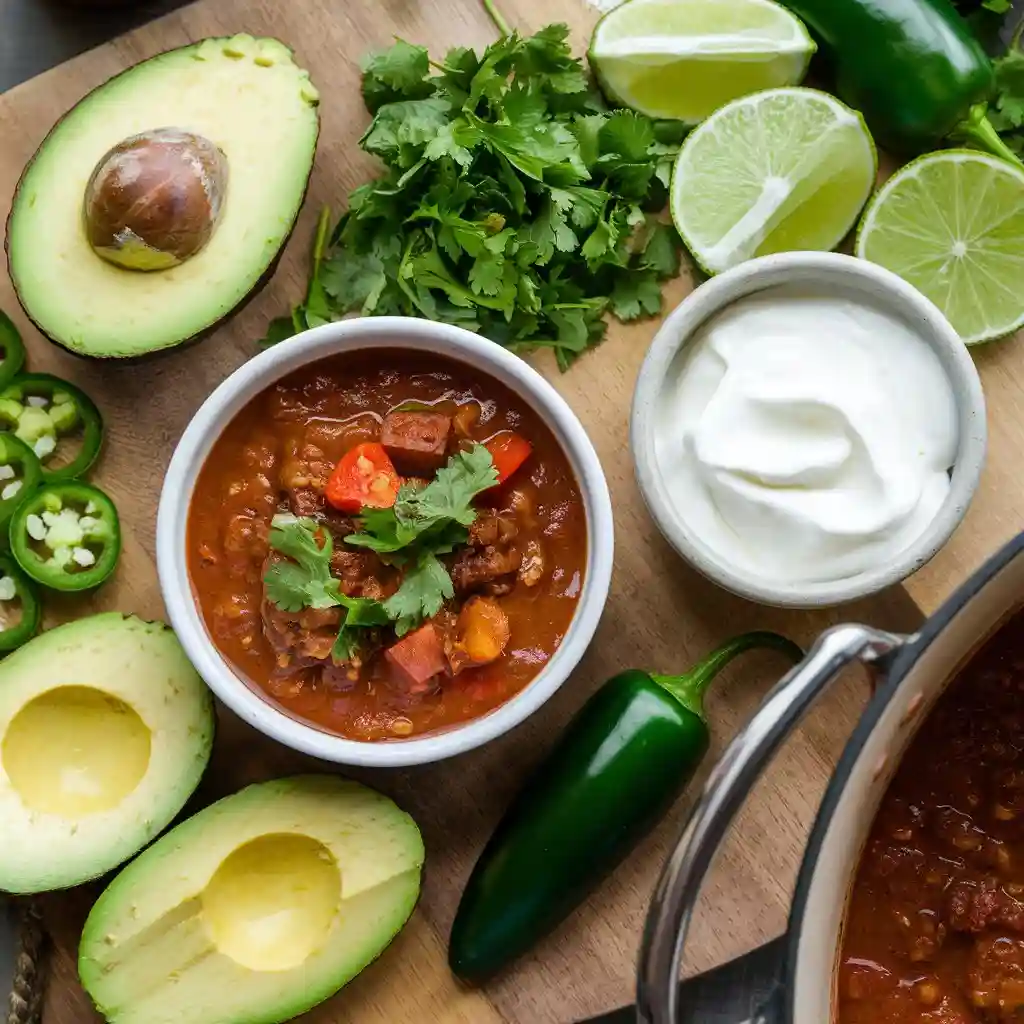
{"x":977,"y":130}
{"x":689,"y":689}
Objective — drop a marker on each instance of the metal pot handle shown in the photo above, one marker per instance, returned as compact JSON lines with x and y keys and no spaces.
{"x":674,"y":900}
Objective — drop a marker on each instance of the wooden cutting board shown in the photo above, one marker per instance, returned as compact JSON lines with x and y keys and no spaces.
{"x":660,"y":615}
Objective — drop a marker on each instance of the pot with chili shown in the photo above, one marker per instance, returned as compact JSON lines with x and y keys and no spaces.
{"x":385,"y":542}
{"x":909,"y":905}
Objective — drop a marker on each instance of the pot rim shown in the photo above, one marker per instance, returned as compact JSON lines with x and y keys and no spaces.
{"x":901,"y":664}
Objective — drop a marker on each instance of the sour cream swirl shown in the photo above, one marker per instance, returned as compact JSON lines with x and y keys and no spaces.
{"x":807,"y":437}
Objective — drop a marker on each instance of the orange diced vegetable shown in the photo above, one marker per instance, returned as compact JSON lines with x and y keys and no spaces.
{"x":482,"y":634}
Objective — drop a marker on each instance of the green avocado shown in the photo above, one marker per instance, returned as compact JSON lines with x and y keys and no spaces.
{"x":256,"y":909}
{"x":105,"y":730}
{"x":235,"y":124}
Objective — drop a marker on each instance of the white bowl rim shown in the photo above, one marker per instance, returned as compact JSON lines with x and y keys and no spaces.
{"x":715,"y":294}
{"x":324,"y":342}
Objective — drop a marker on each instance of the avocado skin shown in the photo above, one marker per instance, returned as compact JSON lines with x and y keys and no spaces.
{"x":200,"y":335}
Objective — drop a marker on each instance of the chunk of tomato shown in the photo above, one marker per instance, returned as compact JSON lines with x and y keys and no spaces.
{"x":364,"y":478}
{"x":509,"y":451}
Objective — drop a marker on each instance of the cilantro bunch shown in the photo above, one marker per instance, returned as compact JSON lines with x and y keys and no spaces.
{"x":513,"y":202}
{"x":1007,"y":110}
{"x":425,"y":521}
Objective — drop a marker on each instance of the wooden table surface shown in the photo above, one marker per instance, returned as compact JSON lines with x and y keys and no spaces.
{"x":661,"y":614}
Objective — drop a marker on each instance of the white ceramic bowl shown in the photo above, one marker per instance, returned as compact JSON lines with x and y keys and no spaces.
{"x":842,"y":275}
{"x":261,"y":372}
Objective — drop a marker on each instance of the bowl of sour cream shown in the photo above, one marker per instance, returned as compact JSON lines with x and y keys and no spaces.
{"x":807,"y":429}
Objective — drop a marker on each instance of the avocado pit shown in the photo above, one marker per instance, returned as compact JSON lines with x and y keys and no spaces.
{"x":74,"y":751}
{"x":155,"y":199}
{"x":270,"y":904}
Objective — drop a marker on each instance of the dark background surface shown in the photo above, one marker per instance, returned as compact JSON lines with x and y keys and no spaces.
{"x":38,"y":34}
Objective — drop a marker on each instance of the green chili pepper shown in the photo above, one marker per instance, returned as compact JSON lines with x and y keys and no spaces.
{"x":12,"y":348}
{"x":20,"y":475}
{"x":913,"y":68}
{"x":620,"y":765}
{"x":66,"y":536}
{"x":20,"y":610}
{"x":43,"y":410}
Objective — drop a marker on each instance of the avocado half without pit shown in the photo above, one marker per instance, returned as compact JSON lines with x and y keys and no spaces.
{"x":255,"y":909}
{"x":105,"y":730}
{"x":161,"y":201}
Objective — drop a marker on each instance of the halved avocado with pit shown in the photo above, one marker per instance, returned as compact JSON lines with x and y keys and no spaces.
{"x":160,"y":202}
{"x":105,"y":730}
{"x":255,"y":909}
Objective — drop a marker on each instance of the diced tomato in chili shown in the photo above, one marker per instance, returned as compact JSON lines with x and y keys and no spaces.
{"x":509,"y":451}
{"x":417,"y":658}
{"x":364,"y":477}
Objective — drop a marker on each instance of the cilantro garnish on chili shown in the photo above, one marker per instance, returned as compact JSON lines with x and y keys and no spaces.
{"x":425,"y":521}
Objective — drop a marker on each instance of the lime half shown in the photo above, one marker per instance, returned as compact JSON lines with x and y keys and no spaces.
{"x":780,"y":170}
{"x":952,"y":224}
{"x":684,"y":59}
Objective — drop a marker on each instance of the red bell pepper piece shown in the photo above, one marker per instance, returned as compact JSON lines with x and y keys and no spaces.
{"x":509,"y":451}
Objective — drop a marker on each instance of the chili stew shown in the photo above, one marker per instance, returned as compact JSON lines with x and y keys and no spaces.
{"x":387,"y":544}
{"x":935,"y":927}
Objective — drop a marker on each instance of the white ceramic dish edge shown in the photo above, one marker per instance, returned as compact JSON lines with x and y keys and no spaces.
{"x":334,"y":339}
{"x":848,"y":273}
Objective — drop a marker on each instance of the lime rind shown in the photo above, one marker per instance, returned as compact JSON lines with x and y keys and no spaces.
{"x":780,"y":225}
{"x":688,"y":76}
{"x":932,"y":235}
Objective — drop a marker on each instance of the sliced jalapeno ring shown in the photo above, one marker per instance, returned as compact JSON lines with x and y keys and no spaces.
{"x":20,"y":475}
{"x":13,"y":349}
{"x":20,"y":610}
{"x":66,"y":536}
{"x":44,"y":411}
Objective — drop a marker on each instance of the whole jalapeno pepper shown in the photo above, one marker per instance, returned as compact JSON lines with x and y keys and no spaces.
{"x":20,"y":610}
{"x":913,"y":68}
{"x":20,"y":475}
{"x":621,"y":763}
{"x":12,"y":349}
{"x":66,"y":536}
{"x":44,"y":411}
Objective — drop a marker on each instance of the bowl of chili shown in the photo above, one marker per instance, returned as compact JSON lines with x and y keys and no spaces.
{"x":386,"y":542}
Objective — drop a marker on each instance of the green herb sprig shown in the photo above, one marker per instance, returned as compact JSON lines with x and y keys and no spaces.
{"x":425,"y":522}
{"x":513,"y":202}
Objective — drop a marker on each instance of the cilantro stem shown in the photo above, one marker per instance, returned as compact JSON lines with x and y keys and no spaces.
{"x":497,"y":17}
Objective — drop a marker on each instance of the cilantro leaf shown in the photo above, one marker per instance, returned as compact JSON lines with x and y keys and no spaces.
{"x":425,"y":587}
{"x":397,"y":73}
{"x":359,"y":613}
{"x":305,"y":581}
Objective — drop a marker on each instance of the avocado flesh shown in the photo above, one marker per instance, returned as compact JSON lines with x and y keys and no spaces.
{"x":256,"y":909}
{"x":249,"y":98}
{"x":105,"y":730}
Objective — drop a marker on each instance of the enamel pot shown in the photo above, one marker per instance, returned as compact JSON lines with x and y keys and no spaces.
{"x":792,"y":979}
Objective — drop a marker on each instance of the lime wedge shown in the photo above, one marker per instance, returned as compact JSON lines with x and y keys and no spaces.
{"x":952,"y":224}
{"x":780,"y":170}
{"x":684,"y":59}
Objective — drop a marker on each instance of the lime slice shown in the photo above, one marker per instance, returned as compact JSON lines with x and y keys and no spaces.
{"x":952,"y":224}
{"x":684,"y":59}
{"x":780,"y":170}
